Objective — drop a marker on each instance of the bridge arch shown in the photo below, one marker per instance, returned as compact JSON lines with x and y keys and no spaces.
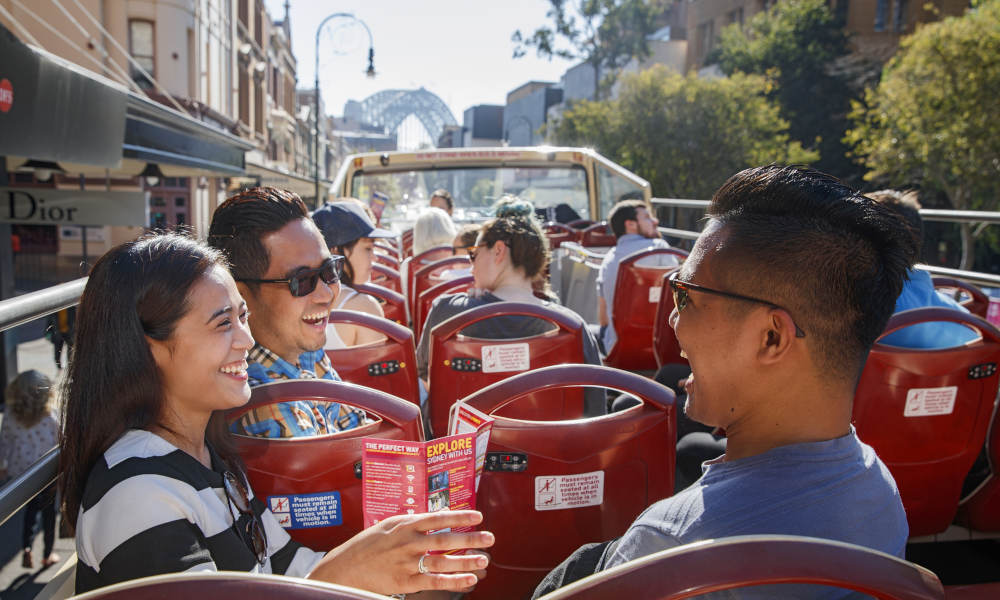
{"x":389,"y":108}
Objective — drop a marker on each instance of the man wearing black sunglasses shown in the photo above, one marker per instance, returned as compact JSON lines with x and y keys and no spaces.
{"x":776,"y":308}
{"x":285,"y":272}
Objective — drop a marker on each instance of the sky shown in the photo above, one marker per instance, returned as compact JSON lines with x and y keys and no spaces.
{"x":458,"y":49}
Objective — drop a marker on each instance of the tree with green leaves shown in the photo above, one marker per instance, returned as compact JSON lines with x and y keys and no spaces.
{"x":684,"y":134}
{"x":605,"y":34}
{"x":796,"y":43}
{"x":932,"y":120}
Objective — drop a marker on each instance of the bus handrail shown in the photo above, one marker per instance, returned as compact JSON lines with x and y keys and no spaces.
{"x":17,"y":311}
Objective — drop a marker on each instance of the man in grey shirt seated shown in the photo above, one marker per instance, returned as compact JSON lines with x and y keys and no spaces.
{"x":777,"y":306}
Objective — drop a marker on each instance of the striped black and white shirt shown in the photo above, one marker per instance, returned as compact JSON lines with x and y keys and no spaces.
{"x":150,"y":508}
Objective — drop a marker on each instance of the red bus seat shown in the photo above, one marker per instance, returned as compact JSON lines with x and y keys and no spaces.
{"x":326,"y":463}
{"x":559,"y":233}
{"x":580,"y":223}
{"x":389,"y":365}
{"x":386,"y":277}
{"x":432,"y":274}
{"x":638,"y":291}
{"x":735,"y":562}
{"x":977,"y":302}
{"x":428,"y":296}
{"x":385,"y":248}
{"x":227,"y":585}
{"x":393,"y":303}
{"x":387,"y":260}
{"x":418,"y":262}
{"x":975,"y":591}
{"x":598,"y":234}
{"x":981,"y":510}
{"x":624,"y":459}
{"x":926,"y":412}
{"x":456,"y":366}
{"x":665,"y":345}
{"x":407,"y":241}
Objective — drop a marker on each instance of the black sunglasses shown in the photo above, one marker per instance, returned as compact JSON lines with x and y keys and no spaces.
{"x":253,"y":535}
{"x":682,"y":289}
{"x":302,"y":283}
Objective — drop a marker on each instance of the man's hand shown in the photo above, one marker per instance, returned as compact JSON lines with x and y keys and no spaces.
{"x":384,"y":558}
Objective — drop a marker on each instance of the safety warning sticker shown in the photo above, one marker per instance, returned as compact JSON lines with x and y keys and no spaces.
{"x":925,"y":402}
{"x":303,"y":511}
{"x":556,"y":492}
{"x":654,"y":294}
{"x":506,"y":357}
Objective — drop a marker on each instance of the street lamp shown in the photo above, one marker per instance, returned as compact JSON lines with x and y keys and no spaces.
{"x":370,"y":72}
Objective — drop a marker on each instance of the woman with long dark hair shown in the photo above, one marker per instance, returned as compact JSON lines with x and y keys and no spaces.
{"x":150,"y":478}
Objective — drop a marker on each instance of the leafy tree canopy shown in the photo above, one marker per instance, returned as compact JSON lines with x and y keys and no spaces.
{"x":794,"y":43}
{"x":604,"y":33}
{"x":932,"y":120}
{"x":685,"y":135}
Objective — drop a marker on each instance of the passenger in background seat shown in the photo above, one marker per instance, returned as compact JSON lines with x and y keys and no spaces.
{"x":348,"y":232}
{"x":149,"y":474}
{"x":635,"y":229}
{"x":290,"y":281}
{"x":510,"y":255}
{"x":777,"y":307}
{"x":918,"y":291}
{"x":441,"y":198}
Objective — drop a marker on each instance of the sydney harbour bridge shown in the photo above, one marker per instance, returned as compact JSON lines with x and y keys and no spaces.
{"x":389,"y":110}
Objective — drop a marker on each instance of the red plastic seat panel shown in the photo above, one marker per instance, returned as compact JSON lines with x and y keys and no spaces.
{"x":386,"y":277}
{"x":559,"y":233}
{"x":977,"y":591}
{"x":638,"y":292}
{"x":631,"y":452}
{"x":385,"y":259}
{"x":416,"y":264}
{"x":929,"y":442}
{"x":665,"y":345}
{"x":977,"y":303}
{"x":981,"y":510}
{"x":580,"y":223}
{"x":428,"y":296}
{"x":431,"y":275}
{"x":598,"y":234}
{"x":729,"y":563}
{"x":227,"y":585}
{"x":392,"y":302}
{"x":368,"y":365}
{"x":407,"y":241}
{"x":447,"y":382}
{"x":324,"y":463}
{"x":385,"y":248}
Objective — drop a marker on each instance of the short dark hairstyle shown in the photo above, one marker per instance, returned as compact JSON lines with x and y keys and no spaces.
{"x":468,"y":234}
{"x":906,"y":205}
{"x":626,"y":210}
{"x":241,"y":221}
{"x":138,"y":290}
{"x":834,"y":258}
{"x":515,"y":225}
{"x":446,"y":195}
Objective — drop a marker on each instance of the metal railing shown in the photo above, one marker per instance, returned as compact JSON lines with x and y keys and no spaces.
{"x":927,"y":214}
{"x":13,"y":312}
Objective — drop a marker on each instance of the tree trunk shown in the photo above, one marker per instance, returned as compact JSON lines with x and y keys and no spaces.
{"x":968,"y":246}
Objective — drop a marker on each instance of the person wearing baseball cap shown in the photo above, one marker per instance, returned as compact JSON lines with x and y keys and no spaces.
{"x":349,"y":232}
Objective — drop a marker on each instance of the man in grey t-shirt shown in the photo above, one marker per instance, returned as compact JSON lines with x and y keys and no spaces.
{"x":777,"y":306}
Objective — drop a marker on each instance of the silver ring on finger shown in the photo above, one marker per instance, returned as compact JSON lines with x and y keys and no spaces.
{"x":421,"y":568}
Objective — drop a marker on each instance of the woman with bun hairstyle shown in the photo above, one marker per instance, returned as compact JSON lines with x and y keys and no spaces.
{"x":508,"y":265}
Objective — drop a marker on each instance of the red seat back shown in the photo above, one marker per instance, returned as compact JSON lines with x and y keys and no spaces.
{"x":925,"y":412}
{"x":580,"y":223}
{"x":559,"y":233}
{"x":388,"y":248}
{"x":389,"y":365}
{"x":430,"y":275}
{"x":737,"y":562}
{"x":387,"y":260}
{"x":638,"y":291}
{"x":326,"y":463}
{"x":665,"y":345}
{"x":417,"y":263}
{"x":457,"y":362}
{"x":981,"y":510}
{"x":428,"y":296}
{"x":407,"y":240}
{"x":227,"y":585}
{"x":624,"y":461}
{"x":598,"y":234}
{"x":386,"y":277}
{"x":393,"y":303}
{"x":977,"y":303}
